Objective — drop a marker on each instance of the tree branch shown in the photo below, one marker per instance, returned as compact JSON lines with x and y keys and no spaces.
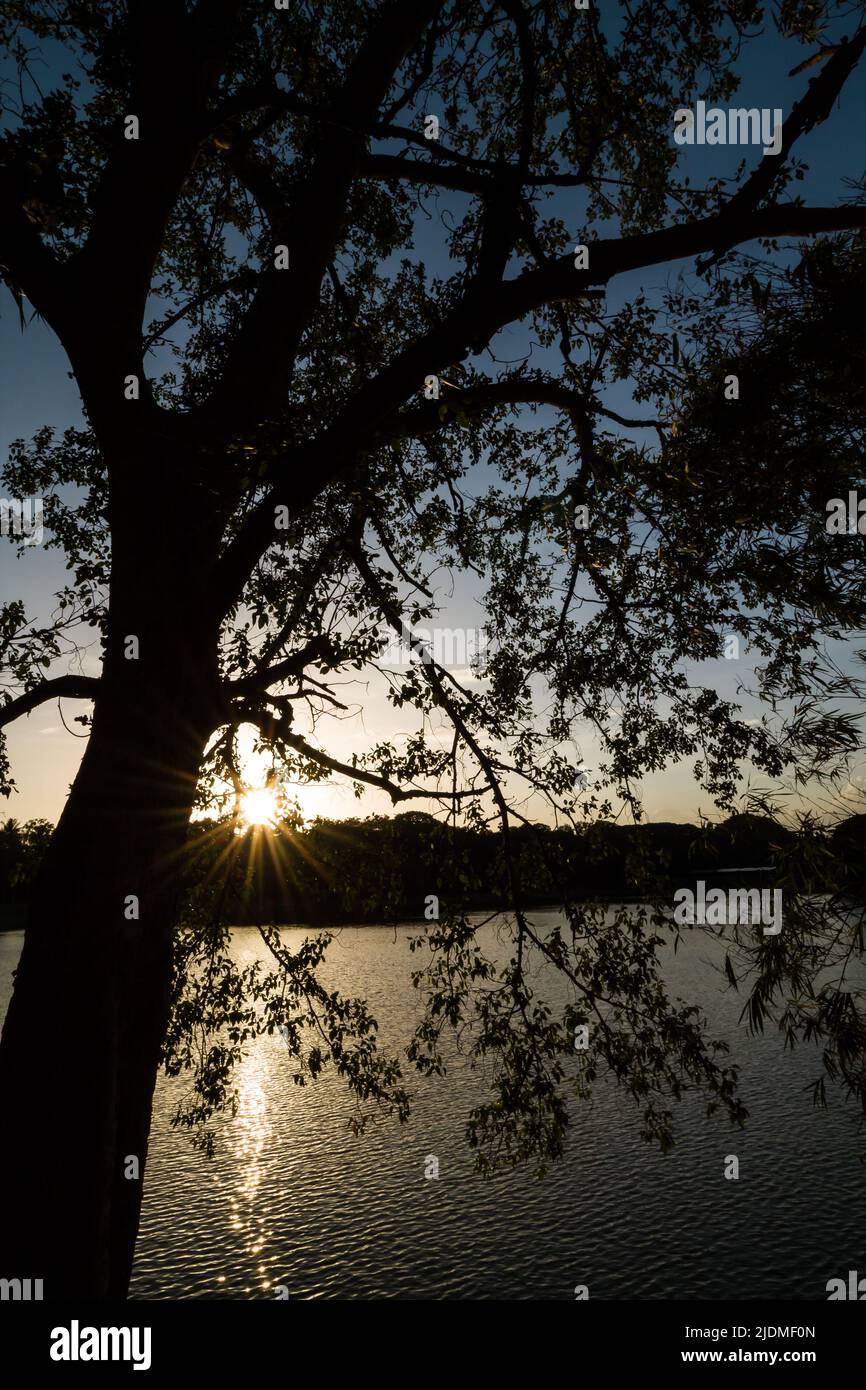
{"x":142,"y":178}
{"x":63,"y":687}
{"x":472,"y":323}
{"x":355,"y":774}
{"x":805,"y":114}
{"x":293,"y":665}
{"x":432,"y":415}
{"x":463,"y":178}
{"x":440,"y":175}
{"x":26,"y":265}
{"x":253,"y":381}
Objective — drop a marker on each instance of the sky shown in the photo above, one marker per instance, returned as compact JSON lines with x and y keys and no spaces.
{"x":36,"y":389}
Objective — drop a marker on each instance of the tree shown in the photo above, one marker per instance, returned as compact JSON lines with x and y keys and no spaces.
{"x":21,"y":850}
{"x":290,"y":424}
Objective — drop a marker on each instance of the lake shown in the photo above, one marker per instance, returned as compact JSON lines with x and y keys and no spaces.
{"x":293,"y":1198}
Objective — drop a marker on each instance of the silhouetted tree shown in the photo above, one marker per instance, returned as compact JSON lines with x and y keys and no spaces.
{"x":215,"y":206}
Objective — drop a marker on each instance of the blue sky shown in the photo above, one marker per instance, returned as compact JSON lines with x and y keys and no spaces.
{"x":35,"y":390}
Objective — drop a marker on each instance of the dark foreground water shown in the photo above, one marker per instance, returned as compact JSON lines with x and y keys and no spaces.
{"x":293,"y":1198}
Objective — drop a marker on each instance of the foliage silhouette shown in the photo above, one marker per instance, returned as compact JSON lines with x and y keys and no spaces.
{"x":216,"y":207}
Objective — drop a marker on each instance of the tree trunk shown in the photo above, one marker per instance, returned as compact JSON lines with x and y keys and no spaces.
{"x":81,"y":1041}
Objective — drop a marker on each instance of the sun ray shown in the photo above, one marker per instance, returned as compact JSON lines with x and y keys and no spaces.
{"x":259,"y":807}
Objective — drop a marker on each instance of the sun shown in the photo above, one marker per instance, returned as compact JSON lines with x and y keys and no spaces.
{"x":259,"y":807}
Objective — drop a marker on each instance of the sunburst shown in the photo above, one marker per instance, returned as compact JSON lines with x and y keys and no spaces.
{"x":259,"y":807}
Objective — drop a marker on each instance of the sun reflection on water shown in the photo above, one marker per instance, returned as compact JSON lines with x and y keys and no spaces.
{"x":251,"y":1131}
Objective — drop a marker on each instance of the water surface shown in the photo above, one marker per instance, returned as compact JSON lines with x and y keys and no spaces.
{"x":293,"y":1198}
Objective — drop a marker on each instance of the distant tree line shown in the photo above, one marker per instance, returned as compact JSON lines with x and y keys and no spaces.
{"x":385,"y":868}
{"x":21,"y":850}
